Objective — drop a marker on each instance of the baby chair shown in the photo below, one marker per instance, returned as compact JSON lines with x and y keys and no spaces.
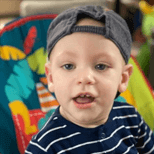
{"x":24,"y":95}
{"x":26,"y":102}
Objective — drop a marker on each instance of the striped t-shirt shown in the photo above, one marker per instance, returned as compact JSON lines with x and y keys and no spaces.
{"x":125,"y":132}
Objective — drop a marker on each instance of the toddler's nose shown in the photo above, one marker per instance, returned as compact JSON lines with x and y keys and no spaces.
{"x":86,"y":77}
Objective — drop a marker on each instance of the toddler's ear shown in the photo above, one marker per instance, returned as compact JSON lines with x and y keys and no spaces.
{"x":127,"y":71}
{"x":49,"y":76}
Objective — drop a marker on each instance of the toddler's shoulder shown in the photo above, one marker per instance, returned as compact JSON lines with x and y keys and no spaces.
{"x":125,"y":113}
{"x":123,"y":107}
{"x":51,"y":128}
{"x":51,"y":132}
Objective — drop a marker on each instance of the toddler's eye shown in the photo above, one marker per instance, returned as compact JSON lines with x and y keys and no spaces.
{"x":101,"y":67}
{"x":68,"y":66}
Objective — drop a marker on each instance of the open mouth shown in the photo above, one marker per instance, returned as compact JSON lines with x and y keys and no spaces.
{"x":84,"y":98}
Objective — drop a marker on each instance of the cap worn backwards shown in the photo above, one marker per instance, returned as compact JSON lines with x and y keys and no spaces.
{"x":115,"y":28}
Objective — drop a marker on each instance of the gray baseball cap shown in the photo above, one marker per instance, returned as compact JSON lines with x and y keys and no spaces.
{"x":115,"y":27}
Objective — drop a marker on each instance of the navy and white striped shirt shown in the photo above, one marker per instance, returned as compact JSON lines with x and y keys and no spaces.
{"x":125,"y":132}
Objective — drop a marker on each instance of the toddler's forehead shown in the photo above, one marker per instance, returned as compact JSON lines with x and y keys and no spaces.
{"x":65,"y":47}
{"x":90,"y":22}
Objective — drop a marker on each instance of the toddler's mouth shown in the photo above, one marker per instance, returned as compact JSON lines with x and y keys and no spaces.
{"x":84,"y":98}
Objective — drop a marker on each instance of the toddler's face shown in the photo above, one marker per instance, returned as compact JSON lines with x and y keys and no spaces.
{"x":85,"y":71}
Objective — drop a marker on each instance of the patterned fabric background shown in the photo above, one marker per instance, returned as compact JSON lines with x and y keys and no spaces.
{"x":23,"y":86}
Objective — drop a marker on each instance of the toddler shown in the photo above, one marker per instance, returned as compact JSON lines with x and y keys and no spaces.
{"x":88,"y":52}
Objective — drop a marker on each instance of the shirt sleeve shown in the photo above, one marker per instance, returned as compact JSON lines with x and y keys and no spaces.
{"x":35,"y":148}
{"x":145,"y":143}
